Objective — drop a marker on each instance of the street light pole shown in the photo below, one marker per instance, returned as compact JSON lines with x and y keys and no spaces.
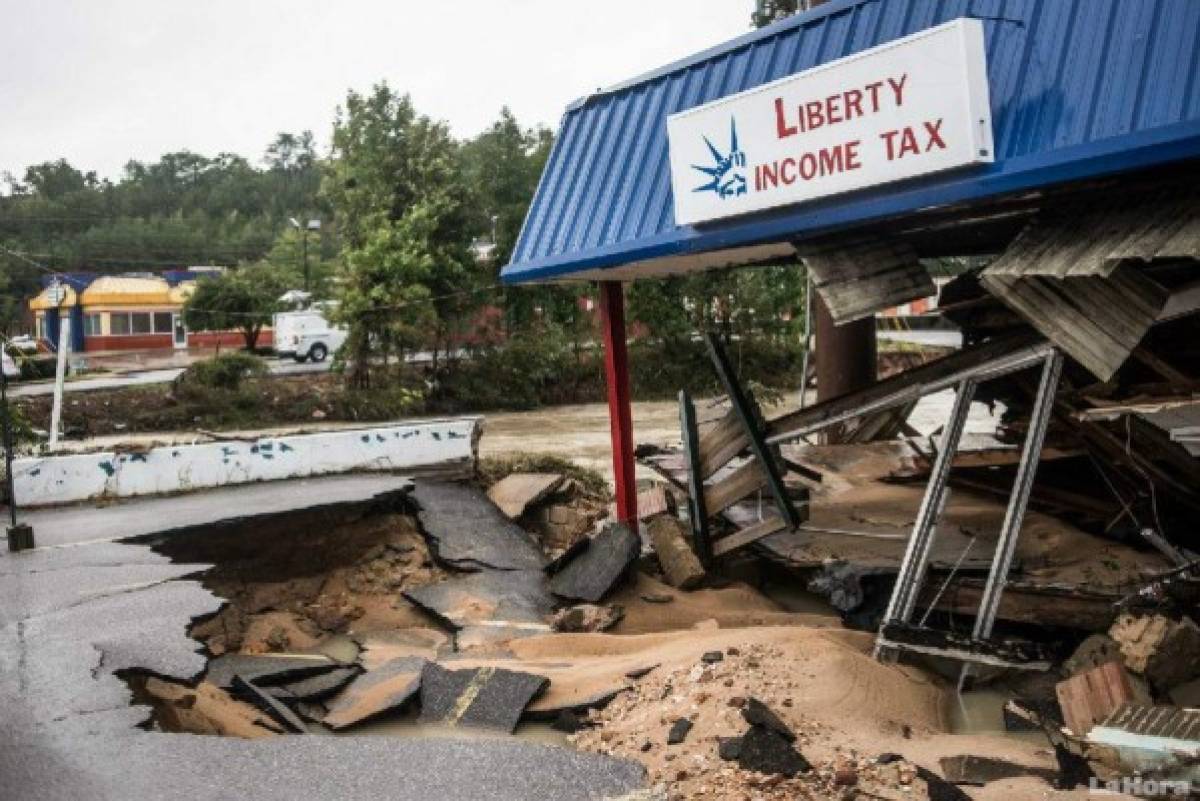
{"x":304,"y":248}
{"x":313,"y":224}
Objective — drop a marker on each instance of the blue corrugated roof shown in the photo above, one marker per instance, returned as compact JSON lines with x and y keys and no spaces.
{"x":1079,"y":88}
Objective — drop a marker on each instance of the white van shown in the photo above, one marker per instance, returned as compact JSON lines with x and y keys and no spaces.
{"x":317,"y":345}
{"x":305,"y":335}
{"x":288,"y":326}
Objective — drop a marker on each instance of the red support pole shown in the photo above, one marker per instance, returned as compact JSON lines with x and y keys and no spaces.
{"x":616,"y":374}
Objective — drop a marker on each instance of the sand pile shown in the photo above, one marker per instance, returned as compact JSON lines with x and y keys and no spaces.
{"x":845,"y":709}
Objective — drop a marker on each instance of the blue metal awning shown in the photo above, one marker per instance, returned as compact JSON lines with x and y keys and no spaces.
{"x":1079,"y":89}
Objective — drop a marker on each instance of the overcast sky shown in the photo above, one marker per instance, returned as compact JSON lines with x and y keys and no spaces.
{"x":101,"y":81}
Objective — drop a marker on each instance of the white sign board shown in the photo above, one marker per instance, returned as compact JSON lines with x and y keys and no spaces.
{"x":911,"y":107}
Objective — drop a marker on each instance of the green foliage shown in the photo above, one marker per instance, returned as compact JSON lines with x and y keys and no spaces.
{"x":396,"y":180}
{"x":243,"y":299}
{"x":22,"y":431}
{"x":225,"y":372}
{"x":534,"y":367}
{"x":184,"y":209}
{"x":768,"y":11}
{"x":741,"y":304}
{"x":503,"y":166}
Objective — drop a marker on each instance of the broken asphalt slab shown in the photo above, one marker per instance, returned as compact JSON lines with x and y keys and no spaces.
{"x":765,"y":751}
{"x":979,"y":770}
{"x":267,"y":671}
{"x":487,"y":697}
{"x":594,"y":572}
{"x":384,"y":689}
{"x":314,"y":688}
{"x":181,"y":766}
{"x":491,"y":597}
{"x":467,"y":531}
{"x":247,"y":691}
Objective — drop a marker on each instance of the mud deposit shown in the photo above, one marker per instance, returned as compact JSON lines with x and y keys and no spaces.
{"x":291,"y":587}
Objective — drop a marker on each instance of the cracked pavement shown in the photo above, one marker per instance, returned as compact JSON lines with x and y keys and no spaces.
{"x":86,"y":605}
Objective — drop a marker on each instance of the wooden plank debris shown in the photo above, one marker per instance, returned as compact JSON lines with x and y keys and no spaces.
{"x":516,"y":492}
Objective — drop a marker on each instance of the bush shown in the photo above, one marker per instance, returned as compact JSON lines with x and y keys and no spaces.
{"x":386,"y":402}
{"x":22,"y":430}
{"x":531,"y":369}
{"x":34,"y":368}
{"x":226,"y":371}
{"x":493,"y":469}
{"x":543,"y":369}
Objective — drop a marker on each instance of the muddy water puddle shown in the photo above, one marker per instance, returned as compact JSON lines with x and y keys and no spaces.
{"x":408,"y":724}
{"x":981,"y":711}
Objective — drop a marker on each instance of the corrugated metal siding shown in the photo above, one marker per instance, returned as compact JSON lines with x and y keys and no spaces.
{"x":1078,"y":88}
{"x":1168,"y":722}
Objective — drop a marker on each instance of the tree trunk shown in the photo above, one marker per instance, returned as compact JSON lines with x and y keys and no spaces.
{"x":359,"y":347}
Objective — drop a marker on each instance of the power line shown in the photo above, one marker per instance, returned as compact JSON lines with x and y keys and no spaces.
{"x":389,"y":307}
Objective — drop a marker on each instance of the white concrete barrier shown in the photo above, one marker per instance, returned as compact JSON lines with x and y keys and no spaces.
{"x":433,"y":445}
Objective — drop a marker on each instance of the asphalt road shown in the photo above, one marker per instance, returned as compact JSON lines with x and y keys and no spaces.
{"x":83,"y":607}
{"x":143,"y":377}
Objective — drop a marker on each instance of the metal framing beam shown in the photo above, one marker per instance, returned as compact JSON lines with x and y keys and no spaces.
{"x":915,"y":562}
{"x":1014,"y":516}
{"x":906,"y":387}
{"x":620,"y":417}
{"x":916,"y":556}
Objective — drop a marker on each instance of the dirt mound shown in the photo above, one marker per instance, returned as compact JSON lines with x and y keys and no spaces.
{"x":845,"y":708}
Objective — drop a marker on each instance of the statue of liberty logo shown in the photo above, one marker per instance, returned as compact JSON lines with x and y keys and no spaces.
{"x":727,"y":173}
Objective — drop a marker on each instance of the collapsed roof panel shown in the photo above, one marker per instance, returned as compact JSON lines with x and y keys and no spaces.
{"x":860,"y":276}
{"x":1097,"y":320}
{"x":1093,"y":239}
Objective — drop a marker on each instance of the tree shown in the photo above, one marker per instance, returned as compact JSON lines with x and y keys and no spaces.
{"x":504,"y":165}
{"x":768,"y":11}
{"x":243,"y":300}
{"x":395,"y":181}
{"x":54,"y":179}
